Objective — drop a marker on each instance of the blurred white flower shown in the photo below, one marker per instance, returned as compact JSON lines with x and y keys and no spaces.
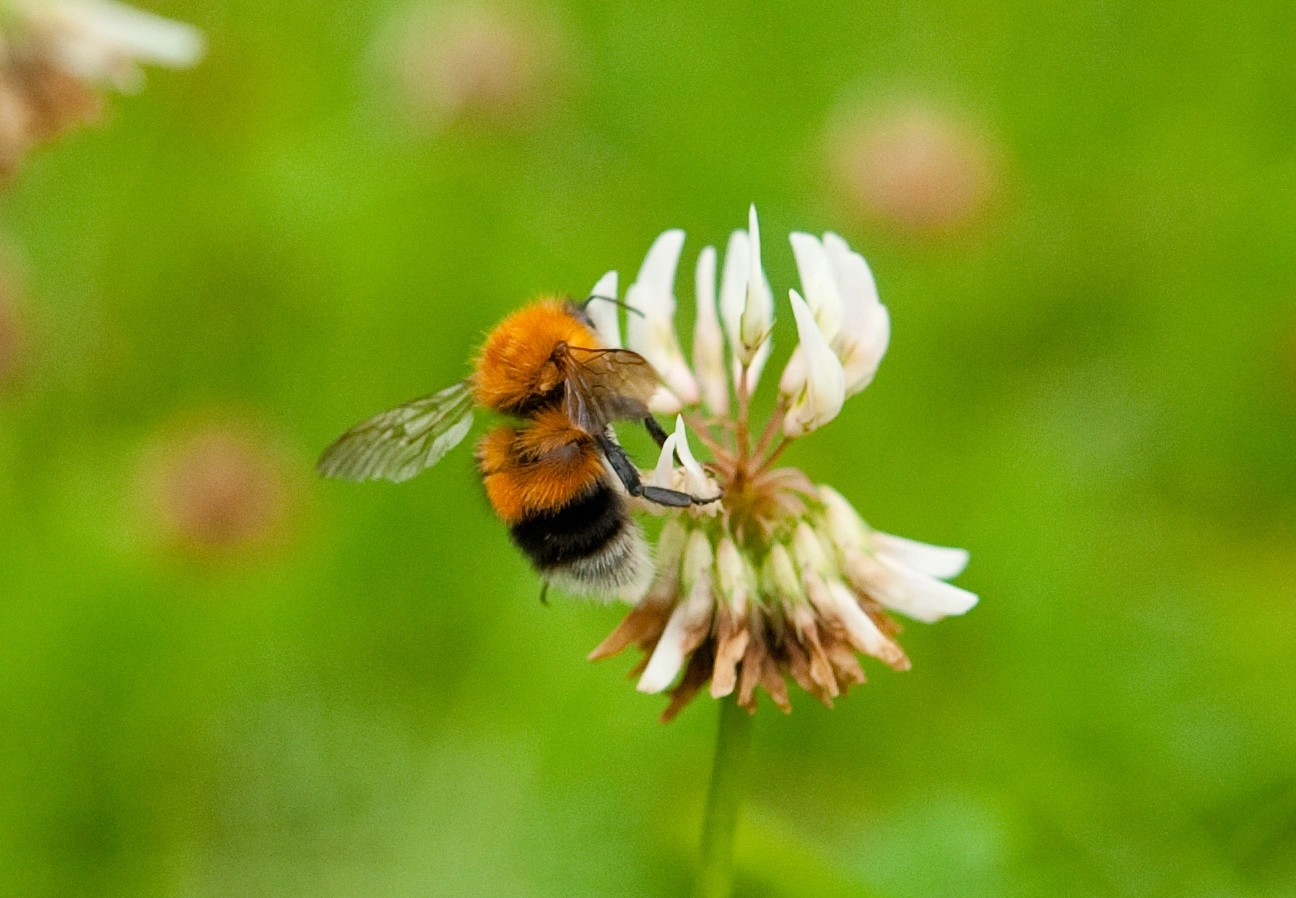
{"x":915,"y":169}
{"x":104,"y":42}
{"x":474,"y":64}
{"x":54,"y":55}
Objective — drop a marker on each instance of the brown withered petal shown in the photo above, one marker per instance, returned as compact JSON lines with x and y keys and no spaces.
{"x":695,"y":677}
{"x":771,"y":680}
{"x":38,"y":102}
{"x":749,"y":675}
{"x":890,"y":627}
{"x":845,"y":664}
{"x":821,"y":670}
{"x":798,"y":666}
{"x":642,"y":626}
{"x":58,"y":100}
{"x":731,"y":645}
{"x":15,"y":127}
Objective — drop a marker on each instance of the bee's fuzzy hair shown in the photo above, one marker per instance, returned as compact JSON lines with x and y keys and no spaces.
{"x":620,"y":569}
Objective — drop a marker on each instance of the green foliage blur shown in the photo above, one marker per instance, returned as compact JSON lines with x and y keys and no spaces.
{"x":1092,"y":387}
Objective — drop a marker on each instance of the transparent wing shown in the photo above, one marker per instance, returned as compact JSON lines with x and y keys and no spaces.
{"x":605,"y":385}
{"x":400,"y":443}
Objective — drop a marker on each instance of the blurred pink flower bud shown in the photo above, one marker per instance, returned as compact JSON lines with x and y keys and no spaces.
{"x":217,"y":489}
{"x":472,"y":63}
{"x":915,"y":170}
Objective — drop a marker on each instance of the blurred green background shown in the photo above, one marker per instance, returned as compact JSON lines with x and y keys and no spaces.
{"x":267,"y":685}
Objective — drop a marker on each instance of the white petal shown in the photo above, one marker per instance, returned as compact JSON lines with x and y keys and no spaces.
{"x":605,"y":315}
{"x":926,"y":598}
{"x":818,"y":284}
{"x":905,"y":590}
{"x":758,"y":310}
{"x":854,"y":279}
{"x":696,"y":480}
{"x":651,"y":328}
{"x":809,"y":551}
{"x":657,"y":273}
{"x":825,"y":389}
{"x":734,"y":576}
{"x":781,"y":579}
{"x":664,"y":474}
{"x":861,"y":358}
{"x":668,"y":657}
{"x":100,"y":40}
{"x":652,"y":335}
{"x":866,"y":326}
{"x":793,"y":378}
{"x":754,"y":368}
{"x":934,"y":561}
{"x":698,"y":558}
{"x":733,"y":288}
{"x":690,"y":615}
{"x":864,"y":634}
{"x":845,"y":527}
{"x":708,"y":341}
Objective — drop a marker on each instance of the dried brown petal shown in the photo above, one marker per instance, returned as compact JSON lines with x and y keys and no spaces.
{"x":58,"y":100}
{"x":643,"y":624}
{"x":772,"y":682}
{"x":731,"y":644}
{"x":798,"y":667}
{"x":821,"y":670}
{"x":842,"y":657}
{"x":889,"y":626}
{"x":753,"y":663}
{"x":695,"y":677}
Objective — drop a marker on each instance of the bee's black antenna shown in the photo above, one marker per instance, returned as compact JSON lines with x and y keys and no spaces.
{"x":544,"y":593}
{"x":615,"y":302}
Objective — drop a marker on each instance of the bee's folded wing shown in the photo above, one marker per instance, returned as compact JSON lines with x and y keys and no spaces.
{"x":605,"y":385}
{"x":400,"y":443}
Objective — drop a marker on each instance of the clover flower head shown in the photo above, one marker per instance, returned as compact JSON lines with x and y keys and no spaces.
{"x":781,"y":578}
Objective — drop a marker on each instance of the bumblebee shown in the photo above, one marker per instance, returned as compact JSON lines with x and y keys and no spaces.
{"x":557,"y":476}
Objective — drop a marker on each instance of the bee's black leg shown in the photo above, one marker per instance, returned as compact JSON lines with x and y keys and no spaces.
{"x":544,"y":593}
{"x":655,"y":431}
{"x":628,"y":474}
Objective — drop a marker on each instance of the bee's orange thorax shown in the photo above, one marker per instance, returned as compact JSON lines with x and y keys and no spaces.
{"x":538,"y":468}
{"x":516,"y":369}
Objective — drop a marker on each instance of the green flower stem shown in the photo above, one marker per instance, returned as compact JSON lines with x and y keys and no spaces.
{"x":728,"y":780}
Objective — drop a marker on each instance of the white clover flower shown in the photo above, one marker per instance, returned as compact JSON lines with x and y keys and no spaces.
{"x":779,"y":578}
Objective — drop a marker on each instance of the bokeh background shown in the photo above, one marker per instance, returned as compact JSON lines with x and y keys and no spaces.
{"x":220,"y":676}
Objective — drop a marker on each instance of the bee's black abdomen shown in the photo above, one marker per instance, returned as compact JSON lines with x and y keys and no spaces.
{"x":577,"y":530}
{"x":590,"y":545}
